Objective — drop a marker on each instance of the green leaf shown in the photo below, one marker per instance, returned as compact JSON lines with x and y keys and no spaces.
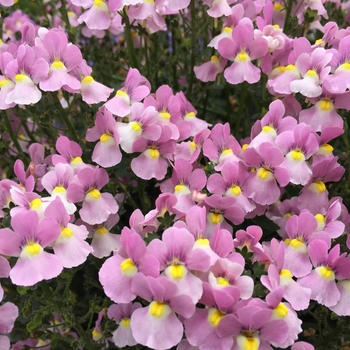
{"x":34,"y":323}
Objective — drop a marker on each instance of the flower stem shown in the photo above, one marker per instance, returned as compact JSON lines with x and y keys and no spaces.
{"x":128,"y":37}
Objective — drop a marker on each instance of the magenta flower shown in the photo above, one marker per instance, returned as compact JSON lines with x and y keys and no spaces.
{"x":301,"y":231}
{"x":56,"y":182}
{"x":26,"y":71}
{"x":314,"y":69}
{"x":177,"y":258}
{"x":153,"y":161}
{"x":118,"y":272}
{"x":328,"y":266}
{"x":121,"y":313}
{"x":231,"y":183}
{"x":85,"y":188}
{"x":298,"y":146}
{"x":221,"y":146}
{"x":70,"y":246}
{"x":242,"y":49}
{"x":156,"y":325}
{"x":62,"y":58}
{"x":136,"y":88}
{"x":69,"y":152}
{"x":278,"y":275}
{"x":27,"y":242}
{"x":104,"y":241}
{"x":183,"y":182}
{"x":106,"y":152}
{"x":261,"y":185}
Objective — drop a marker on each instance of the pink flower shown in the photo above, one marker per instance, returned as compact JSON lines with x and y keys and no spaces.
{"x":27,"y":242}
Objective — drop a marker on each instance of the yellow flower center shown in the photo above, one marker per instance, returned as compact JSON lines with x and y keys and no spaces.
{"x":326,"y":272}
{"x":87,"y":80}
{"x":215,"y":317}
{"x":67,"y":232}
{"x":159,"y":309}
{"x":128,"y":267}
{"x":125,"y":322}
{"x":101,"y":230}
{"x":280,"y":311}
{"x":326,"y":105}
{"x":223,"y":281}
{"x":35,"y":204}
{"x":32,"y":249}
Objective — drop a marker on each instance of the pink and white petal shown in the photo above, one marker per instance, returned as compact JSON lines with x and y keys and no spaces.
{"x":4,"y":342}
{"x":159,"y":333}
{"x":146,"y":166}
{"x":72,"y":251}
{"x":342,"y":308}
{"x":24,"y":93}
{"x":31,"y":270}
{"x":107,"y":154}
{"x":8,"y":315}
{"x":104,"y":244}
{"x":242,"y":71}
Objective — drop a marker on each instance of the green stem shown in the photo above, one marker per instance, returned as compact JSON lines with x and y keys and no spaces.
{"x":174,"y":49}
{"x":240,"y":106}
{"x":193,"y":45}
{"x":288,"y":16}
{"x":64,"y":116}
{"x":128,"y":37}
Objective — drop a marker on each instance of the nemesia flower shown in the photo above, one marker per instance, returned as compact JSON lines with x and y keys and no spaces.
{"x":301,"y":231}
{"x":185,"y":116}
{"x":314,"y":195}
{"x":106,"y":152}
{"x":278,"y":275}
{"x":221,"y":146}
{"x":258,"y":329}
{"x":271,"y":125}
{"x":339,"y":81}
{"x":150,"y":13}
{"x":261,"y":185}
{"x":160,"y":101}
{"x":91,"y":91}
{"x":142,"y":123}
{"x":103,"y":241}
{"x":230,"y":183}
{"x":121,"y":313}
{"x":242,"y":49}
{"x":70,"y":246}
{"x":118,"y":272}
{"x":56,"y":182}
{"x":314,"y":70}
{"x":98,"y":16}
{"x":298,"y":146}
{"x":177,"y":258}
{"x":135,"y":89}
{"x":27,"y":242}
{"x":85,"y":187}
{"x":214,"y":326}
{"x":156,"y":325}
{"x":284,"y":311}
{"x":208,"y":71}
{"x":69,"y":152}
{"x":62,"y":58}
{"x":328,"y":266}
{"x":153,"y":161}
{"x":25,"y":71}
{"x":183,"y":182}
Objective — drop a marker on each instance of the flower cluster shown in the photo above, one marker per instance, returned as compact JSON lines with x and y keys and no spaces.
{"x":193,"y":269}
